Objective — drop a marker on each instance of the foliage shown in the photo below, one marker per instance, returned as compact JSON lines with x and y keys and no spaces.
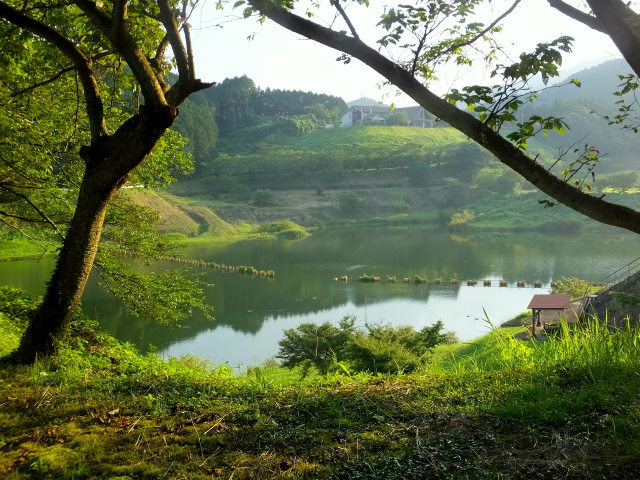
{"x":263,"y":198}
{"x":271,"y":148}
{"x":350,"y":202}
{"x":326,"y":108}
{"x":237,"y":103}
{"x":481,"y":411}
{"x":320,"y":346}
{"x":398,"y":118}
{"x":573,"y":286}
{"x":168,"y":297}
{"x":230,"y":99}
{"x":286,"y":229}
{"x":625,"y":299}
{"x":377,"y":348}
{"x":196,"y":122}
{"x":461,"y":218}
{"x":498,"y":180}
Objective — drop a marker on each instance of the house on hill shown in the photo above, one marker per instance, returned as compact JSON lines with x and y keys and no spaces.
{"x":368,"y":112}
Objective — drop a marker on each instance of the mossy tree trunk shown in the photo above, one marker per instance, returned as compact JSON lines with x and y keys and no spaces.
{"x":110,"y":157}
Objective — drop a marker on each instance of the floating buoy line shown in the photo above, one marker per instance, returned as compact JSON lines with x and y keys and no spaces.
{"x":418,"y":280}
{"x":243,"y":269}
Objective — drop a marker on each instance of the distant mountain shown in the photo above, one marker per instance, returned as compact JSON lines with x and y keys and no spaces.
{"x":365,"y":102}
{"x":584,"y":108}
{"x":599,"y":82}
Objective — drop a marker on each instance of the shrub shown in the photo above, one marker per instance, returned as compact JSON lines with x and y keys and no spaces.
{"x":368,"y":278}
{"x":573,"y":286}
{"x":378,"y":355}
{"x":350,"y":202}
{"x":317,"y":345}
{"x":287,"y":229}
{"x":461,"y":218}
{"x":263,"y":198}
{"x":376,"y":348}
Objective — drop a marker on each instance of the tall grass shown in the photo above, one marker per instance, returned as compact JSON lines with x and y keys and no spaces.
{"x":591,"y":348}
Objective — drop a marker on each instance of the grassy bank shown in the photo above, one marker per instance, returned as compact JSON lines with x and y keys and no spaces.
{"x":14,"y":246}
{"x":495,"y":408}
{"x":182,"y":221}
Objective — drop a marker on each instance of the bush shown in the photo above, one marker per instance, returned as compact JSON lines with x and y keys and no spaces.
{"x":287,"y":229}
{"x":376,"y":348}
{"x":350,"y":202}
{"x":315,"y":345}
{"x":263,"y":198}
{"x":380,"y":356}
{"x":461,"y":218}
{"x":573,"y":286}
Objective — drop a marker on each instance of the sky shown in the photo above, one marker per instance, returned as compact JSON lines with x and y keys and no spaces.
{"x":276,"y":58}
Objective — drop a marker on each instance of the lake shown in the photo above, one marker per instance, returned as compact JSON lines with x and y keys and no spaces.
{"x":252,"y":312}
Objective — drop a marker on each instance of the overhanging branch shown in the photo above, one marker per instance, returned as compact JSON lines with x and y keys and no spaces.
{"x":582,"y":17}
{"x":42,"y":83}
{"x":621,"y":24}
{"x":179,"y":52}
{"x":507,"y":153}
{"x":125,"y":45}
{"x":82,"y":64}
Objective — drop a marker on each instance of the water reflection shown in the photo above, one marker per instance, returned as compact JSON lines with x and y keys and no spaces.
{"x":251,"y":312}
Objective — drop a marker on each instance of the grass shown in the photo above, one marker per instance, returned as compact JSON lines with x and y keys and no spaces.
{"x":566,"y":408}
{"x":14,"y":246}
{"x":372,"y":141}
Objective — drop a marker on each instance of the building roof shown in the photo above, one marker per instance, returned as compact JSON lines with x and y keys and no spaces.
{"x":549,"y":302}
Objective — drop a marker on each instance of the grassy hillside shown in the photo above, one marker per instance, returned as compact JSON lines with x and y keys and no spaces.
{"x":179,"y":215}
{"x":375,"y":141}
{"x":326,"y":157}
{"x":495,"y":408}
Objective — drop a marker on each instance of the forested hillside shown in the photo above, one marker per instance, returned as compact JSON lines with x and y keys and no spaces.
{"x":584,"y":110}
{"x":257,"y":151}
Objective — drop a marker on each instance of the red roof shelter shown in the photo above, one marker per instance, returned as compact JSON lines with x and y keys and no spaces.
{"x":546,"y":302}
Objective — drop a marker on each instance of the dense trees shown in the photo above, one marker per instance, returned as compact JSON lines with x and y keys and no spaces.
{"x":426,"y":37}
{"x":66,"y":114}
{"x":326,"y":108}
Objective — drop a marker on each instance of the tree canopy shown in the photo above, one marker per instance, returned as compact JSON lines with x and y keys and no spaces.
{"x":417,"y":40}
{"x":84,"y":102}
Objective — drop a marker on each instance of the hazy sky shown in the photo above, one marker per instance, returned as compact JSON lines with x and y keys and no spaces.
{"x":278,"y":59}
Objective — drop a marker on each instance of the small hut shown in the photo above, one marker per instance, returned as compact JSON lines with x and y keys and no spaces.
{"x":540,"y":303}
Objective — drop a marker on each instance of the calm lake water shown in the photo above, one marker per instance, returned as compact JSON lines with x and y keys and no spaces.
{"x":251,"y":313}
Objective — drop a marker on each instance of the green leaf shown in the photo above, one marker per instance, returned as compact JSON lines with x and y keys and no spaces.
{"x":576,"y":82}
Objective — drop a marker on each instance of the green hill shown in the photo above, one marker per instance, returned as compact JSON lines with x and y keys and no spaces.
{"x":328,"y":158}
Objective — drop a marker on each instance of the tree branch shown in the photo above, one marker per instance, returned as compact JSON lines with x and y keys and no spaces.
{"x":345,"y":17}
{"x":118,"y":16}
{"x":94,"y":106}
{"x":35,"y":207}
{"x":126,"y":46}
{"x":483,"y":32}
{"x":582,"y":17}
{"x":179,"y":52}
{"x":621,"y":24}
{"x":186,"y":28}
{"x":25,"y":234}
{"x":506,"y":152}
{"x":43,"y":83}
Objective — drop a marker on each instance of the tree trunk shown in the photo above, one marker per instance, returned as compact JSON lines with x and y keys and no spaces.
{"x":108,"y":164}
{"x":70,"y":276}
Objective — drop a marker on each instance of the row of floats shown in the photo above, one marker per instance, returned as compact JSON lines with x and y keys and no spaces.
{"x":248,"y":270}
{"x":417,"y":279}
